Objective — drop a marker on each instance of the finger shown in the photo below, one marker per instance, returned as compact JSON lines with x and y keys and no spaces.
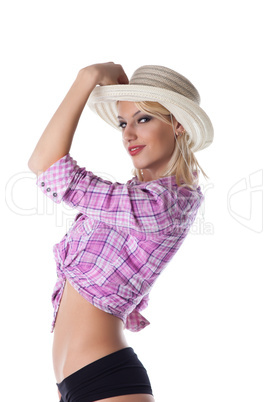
{"x":108,"y":82}
{"x":123,"y":79}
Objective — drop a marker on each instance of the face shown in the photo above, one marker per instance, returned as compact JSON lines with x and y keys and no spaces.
{"x":149,"y":141}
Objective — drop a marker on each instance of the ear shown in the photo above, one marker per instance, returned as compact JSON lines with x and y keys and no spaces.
{"x":180,"y":129}
{"x":178,"y":126}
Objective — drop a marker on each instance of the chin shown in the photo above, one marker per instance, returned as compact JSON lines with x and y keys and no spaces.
{"x":138,"y":166}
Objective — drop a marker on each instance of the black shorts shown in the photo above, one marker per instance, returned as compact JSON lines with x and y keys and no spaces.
{"x":120,"y":373}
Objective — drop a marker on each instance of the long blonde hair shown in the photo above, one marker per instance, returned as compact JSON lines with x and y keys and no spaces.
{"x":183,"y":163}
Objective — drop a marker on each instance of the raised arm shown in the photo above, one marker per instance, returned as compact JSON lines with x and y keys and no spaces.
{"x":56,"y":140}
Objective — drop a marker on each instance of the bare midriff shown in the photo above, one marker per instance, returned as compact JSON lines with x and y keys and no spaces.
{"x":83,"y":333}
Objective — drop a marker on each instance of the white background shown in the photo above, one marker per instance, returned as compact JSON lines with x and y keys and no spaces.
{"x":208,"y":335}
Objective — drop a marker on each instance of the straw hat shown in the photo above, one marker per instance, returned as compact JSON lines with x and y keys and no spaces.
{"x":165,"y":86}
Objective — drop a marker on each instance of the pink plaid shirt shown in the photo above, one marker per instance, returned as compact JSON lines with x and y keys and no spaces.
{"x":122,"y":238}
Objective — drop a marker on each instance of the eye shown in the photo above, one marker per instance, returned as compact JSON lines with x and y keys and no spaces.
{"x":144,"y":119}
{"x":122,"y":124}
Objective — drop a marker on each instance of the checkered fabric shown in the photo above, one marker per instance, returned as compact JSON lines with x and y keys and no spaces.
{"x":122,"y":238}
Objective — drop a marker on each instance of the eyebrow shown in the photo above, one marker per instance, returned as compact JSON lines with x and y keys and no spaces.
{"x":119,"y":117}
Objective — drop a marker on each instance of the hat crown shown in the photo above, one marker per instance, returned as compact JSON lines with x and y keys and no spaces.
{"x":165,"y":78}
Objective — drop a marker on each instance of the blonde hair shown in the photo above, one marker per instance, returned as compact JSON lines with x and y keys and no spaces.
{"x":183,"y":163}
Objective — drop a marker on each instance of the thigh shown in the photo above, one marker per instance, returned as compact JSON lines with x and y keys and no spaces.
{"x":130,"y":398}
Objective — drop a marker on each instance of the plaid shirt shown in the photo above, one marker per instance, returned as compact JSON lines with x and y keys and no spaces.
{"x":122,"y":238}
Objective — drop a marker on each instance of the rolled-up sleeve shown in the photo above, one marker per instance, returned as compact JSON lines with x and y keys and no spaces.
{"x":57,"y":178}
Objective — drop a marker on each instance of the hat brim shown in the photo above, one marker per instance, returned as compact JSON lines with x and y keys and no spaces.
{"x":103,"y":101}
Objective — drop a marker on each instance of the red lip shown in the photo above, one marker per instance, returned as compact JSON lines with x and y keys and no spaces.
{"x":135,"y":150}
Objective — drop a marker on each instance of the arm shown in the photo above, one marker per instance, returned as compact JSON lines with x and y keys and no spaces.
{"x":56,"y":140}
{"x":147,"y":210}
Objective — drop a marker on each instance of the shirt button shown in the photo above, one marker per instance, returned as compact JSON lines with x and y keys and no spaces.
{"x":42,"y":184}
{"x":142,"y":323}
{"x":55,"y":194}
{"x":48,"y":189}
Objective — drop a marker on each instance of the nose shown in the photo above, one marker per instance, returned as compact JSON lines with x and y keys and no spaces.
{"x":129,"y":133}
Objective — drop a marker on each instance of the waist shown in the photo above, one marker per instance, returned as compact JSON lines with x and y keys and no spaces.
{"x":83,"y":333}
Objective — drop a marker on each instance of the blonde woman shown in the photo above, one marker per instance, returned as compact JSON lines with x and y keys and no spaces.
{"x":124,"y":235}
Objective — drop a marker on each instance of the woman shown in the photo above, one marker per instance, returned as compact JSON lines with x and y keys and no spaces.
{"x":124,"y":234}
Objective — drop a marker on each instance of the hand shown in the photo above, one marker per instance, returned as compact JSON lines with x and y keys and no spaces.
{"x":107,"y":73}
